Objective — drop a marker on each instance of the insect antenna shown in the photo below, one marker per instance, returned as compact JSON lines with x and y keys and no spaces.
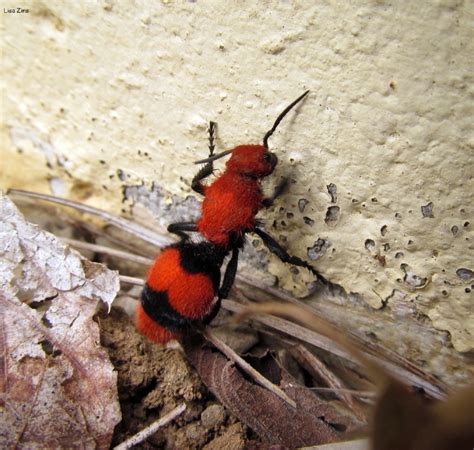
{"x":213,"y":158}
{"x":280,"y":118}
{"x":265,"y":138}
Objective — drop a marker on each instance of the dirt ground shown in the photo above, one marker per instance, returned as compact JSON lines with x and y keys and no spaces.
{"x":152,"y":380}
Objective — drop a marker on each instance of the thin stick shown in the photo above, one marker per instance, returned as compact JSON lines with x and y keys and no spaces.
{"x":151,"y":429}
{"x":144,"y":233}
{"x":132,"y":280}
{"x":107,"y":251}
{"x":246,"y":367}
{"x":354,"y":392}
{"x":317,"y":369}
{"x":402,"y":366}
{"x":293,"y":330}
{"x":311,"y":337}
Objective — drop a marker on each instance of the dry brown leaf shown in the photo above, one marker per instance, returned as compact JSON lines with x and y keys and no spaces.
{"x":312,"y":422}
{"x":57,"y":385}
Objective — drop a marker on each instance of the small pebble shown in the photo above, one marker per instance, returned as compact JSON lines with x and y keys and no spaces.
{"x":213,"y":416}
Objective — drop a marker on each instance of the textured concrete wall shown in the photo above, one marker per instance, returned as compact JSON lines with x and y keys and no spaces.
{"x":98,"y":96}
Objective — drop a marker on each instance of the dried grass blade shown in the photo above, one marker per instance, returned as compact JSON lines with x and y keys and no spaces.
{"x":126,"y":225}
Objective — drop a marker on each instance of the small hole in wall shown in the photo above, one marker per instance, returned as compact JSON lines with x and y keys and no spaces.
{"x":386,"y":247}
{"x":399,"y":255}
{"x":466,"y":224}
{"x":121,"y":175}
{"x":427,"y":210}
{"x":444,"y":292}
{"x":318,"y":249}
{"x":410,"y":242}
{"x":465,"y":274}
{"x":332,"y":191}
{"x":45,"y":321}
{"x":454,"y":230}
{"x":467,"y":290}
{"x":374,"y":200}
{"x":369,"y":244}
{"x":302,"y":202}
{"x":289,"y":215}
{"x":308,"y":221}
{"x":383,"y":230}
{"x":403,"y":267}
{"x":332,"y":215}
{"x":398,"y":216}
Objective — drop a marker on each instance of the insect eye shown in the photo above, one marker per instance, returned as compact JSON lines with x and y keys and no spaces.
{"x":267,"y":157}
{"x":270,"y":158}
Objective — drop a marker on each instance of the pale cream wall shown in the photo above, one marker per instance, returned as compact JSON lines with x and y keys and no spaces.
{"x":93,"y":87}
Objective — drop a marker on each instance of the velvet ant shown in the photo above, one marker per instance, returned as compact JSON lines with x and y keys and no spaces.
{"x":181,"y":286}
{"x":184,"y":279}
{"x":232,"y":201}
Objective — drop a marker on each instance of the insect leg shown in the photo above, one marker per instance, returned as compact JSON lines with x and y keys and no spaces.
{"x":229,"y":275}
{"x":280,"y":188}
{"x":227,"y":283}
{"x":207,"y":170}
{"x":182,"y":228}
{"x":279,"y":251}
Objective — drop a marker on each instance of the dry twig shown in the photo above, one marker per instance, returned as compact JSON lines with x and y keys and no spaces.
{"x":151,"y":429}
{"x":246,"y":367}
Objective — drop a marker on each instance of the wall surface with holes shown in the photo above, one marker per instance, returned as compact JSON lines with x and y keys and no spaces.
{"x":108,"y":102}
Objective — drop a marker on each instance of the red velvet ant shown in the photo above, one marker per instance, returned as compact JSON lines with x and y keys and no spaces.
{"x":181,"y":286}
{"x":233,"y":200}
{"x":184,"y":280}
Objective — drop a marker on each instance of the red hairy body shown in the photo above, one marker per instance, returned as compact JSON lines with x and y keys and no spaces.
{"x":149,"y":328}
{"x":190,"y":295}
{"x":229,"y":207}
{"x":180,"y":289}
{"x":232,"y":201}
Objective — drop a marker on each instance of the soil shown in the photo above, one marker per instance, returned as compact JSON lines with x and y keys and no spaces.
{"x":153,"y":380}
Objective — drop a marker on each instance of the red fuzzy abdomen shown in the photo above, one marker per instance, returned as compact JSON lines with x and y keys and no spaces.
{"x":229,"y":207}
{"x":153,"y":331}
{"x":189,"y":294}
{"x":176,"y":293}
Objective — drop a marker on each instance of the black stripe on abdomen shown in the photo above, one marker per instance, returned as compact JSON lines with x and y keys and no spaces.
{"x":156,"y":306}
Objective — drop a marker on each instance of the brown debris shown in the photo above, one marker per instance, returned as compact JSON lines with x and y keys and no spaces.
{"x":311,"y":422}
{"x":52,"y":365}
